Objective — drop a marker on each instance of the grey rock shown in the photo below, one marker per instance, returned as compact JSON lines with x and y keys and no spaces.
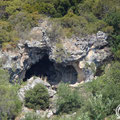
{"x":51,"y":92}
{"x":47,"y":113}
{"x":50,"y":113}
{"x":42,"y":113}
{"x":31,"y":84}
{"x":92,"y":49}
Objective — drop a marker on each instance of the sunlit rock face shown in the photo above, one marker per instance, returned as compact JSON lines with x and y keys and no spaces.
{"x":71,"y":60}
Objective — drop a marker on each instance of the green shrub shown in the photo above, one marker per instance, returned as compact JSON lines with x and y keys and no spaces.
{"x":81,"y":115}
{"x":78,"y":116}
{"x":97,"y":108}
{"x":113,"y":19}
{"x":4,"y":76}
{"x":5,"y":30}
{"x":7,"y":34}
{"x":37,"y":98}
{"x":55,"y":32}
{"x":10,"y":105}
{"x":59,"y":52}
{"x":80,"y":26}
{"x":105,"y":92}
{"x":22,"y":22}
{"x":111,"y":117}
{"x":14,"y":6}
{"x":76,"y":17}
{"x":31,"y":116}
{"x":68,"y":99}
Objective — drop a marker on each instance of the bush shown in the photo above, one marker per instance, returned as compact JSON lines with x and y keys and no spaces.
{"x":4,"y":76}
{"x":79,"y":116}
{"x":113,"y":19}
{"x":97,"y":108}
{"x":80,"y":26}
{"x":68,"y":99}
{"x":54,"y":32}
{"x":76,"y":17}
{"x":22,"y":22}
{"x":10,"y":105}
{"x":5,"y":29}
{"x":105,"y":93}
{"x":31,"y":116}
{"x":37,"y":98}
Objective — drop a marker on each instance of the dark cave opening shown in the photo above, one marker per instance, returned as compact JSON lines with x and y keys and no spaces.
{"x":54,"y":72}
{"x":39,"y":69}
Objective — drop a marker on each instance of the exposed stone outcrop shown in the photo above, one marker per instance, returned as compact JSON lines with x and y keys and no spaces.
{"x":84,"y":54}
{"x":31,"y":83}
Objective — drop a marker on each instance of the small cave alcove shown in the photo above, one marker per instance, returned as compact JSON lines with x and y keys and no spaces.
{"x":54,"y":72}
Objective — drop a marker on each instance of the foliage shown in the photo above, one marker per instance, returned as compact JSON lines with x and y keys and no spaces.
{"x":10,"y":105}
{"x":68,"y":18}
{"x":78,"y":116}
{"x":5,"y":29}
{"x":97,"y":108}
{"x":4,"y":77}
{"x":105,"y":93}
{"x":80,"y":25}
{"x":68,"y":99}
{"x":54,"y":32}
{"x":37,"y":98}
{"x":22,"y":22}
{"x":74,"y":17}
{"x":59,"y":52}
{"x":111,"y":117}
{"x":31,"y":116}
{"x":113,"y":19}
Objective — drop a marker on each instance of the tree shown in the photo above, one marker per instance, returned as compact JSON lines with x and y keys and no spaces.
{"x":10,"y":104}
{"x":37,"y":98}
{"x":68,"y":99}
{"x":113,"y":19}
{"x":105,"y":91}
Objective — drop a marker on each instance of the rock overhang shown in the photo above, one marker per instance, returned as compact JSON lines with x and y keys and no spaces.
{"x":75,"y":52}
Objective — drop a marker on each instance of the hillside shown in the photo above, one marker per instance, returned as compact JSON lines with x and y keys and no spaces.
{"x":59,"y":59}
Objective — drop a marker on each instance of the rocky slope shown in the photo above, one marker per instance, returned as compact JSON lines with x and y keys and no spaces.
{"x":51,"y":91}
{"x":72,"y":60}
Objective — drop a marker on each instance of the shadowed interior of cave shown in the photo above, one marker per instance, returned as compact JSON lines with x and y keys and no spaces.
{"x":54,"y":72}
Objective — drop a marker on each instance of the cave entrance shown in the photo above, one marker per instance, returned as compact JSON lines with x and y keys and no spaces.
{"x":54,"y":72}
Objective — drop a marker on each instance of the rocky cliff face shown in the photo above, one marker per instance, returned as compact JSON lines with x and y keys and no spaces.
{"x":70,"y":60}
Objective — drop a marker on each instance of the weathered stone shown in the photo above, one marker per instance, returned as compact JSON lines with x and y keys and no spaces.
{"x":51,"y":92}
{"x":90,"y":49}
{"x":47,"y":113}
{"x":31,"y":84}
{"x":50,"y":113}
{"x":42,"y":113}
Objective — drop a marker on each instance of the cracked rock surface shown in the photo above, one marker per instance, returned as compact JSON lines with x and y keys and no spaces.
{"x":75,"y":51}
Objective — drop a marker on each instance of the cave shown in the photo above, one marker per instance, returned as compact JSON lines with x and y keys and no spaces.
{"x":54,"y":72}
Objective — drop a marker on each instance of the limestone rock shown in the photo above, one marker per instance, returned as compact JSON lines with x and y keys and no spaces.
{"x":90,"y":49}
{"x":31,"y":84}
{"x":41,"y":113}
{"x":50,"y":113}
{"x":51,"y":92}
